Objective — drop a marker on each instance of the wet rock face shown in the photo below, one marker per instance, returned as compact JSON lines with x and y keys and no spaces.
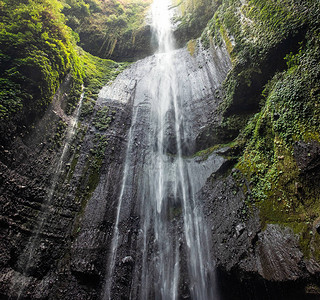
{"x":307,"y":156}
{"x":55,"y":265}
{"x":139,"y":48}
{"x":40,"y":257}
{"x":131,"y":46}
{"x":259,"y":262}
{"x":74,"y":236}
{"x":233,"y":234}
{"x":200,"y":84}
{"x":26,"y":172}
{"x":278,"y":255}
{"x":198,"y":77}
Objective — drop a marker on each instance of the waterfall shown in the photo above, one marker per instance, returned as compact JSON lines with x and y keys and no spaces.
{"x":171,"y":244}
{"x":28,"y":258}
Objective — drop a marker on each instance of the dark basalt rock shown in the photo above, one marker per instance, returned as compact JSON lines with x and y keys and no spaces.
{"x":25,"y":178}
{"x":74,"y":236}
{"x":307,"y":156}
{"x":261,"y":262}
{"x":245,"y":95}
{"x":134,"y":45}
{"x":131,"y":46}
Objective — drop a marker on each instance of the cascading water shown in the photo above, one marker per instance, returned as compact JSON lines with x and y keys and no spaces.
{"x":28,"y":258}
{"x":173,"y":245}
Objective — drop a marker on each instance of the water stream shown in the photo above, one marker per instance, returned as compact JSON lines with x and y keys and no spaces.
{"x":173,"y":244}
{"x":28,"y":258}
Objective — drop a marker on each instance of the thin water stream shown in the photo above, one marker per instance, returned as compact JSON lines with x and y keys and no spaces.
{"x":173,"y":242}
{"x":28,"y":258}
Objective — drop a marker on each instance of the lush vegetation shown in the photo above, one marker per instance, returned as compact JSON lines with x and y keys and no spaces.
{"x":271,"y":96}
{"x":194,"y":16}
{"x":36,"y":53}
{"x":271,"y":105}
{"x":104,"y":26}
{"x":258,"y":35}
{"x":285,"y":191}
{"x":98,"y":72}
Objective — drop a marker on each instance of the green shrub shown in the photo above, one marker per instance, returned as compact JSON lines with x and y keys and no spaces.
{"x":36,"y":53}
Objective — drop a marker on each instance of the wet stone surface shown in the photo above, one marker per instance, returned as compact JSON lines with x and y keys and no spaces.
{"x":70,"y":257}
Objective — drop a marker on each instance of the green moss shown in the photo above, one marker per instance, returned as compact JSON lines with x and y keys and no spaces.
{"x":207,"y":152}
{"x":36,"y":54}
{"x":98,"y":151}
{"x":37,"y":51}
{"x":272,"y":108}
{"x":289,"y":112}
{"x":192,"y":45}
{"x":194,"y":17}
{"x":251,"y":31}
{"x":87,"y":108}
{"x":273,"y":189}
{"x":98,"y":72}
{"x":175,"y":212}
{"x":269,"y":166}
{"x":268,"y":162}
{"x":57,"y":140}
{"x":91,"y":173}
{"x":102,"y":119}
{"x":73,"y":165}
{"x":94,"y":177}
{"x":104,"y":25}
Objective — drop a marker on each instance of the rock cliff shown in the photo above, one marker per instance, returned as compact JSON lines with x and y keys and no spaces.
{"x":254,"y":109}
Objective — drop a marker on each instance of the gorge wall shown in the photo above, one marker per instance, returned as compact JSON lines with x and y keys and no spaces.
{"x":253,"y":102}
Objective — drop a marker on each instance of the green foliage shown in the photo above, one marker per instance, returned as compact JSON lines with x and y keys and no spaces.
{"x":57,"y":139}
{"x":290,"y":113}
{"x":256,"y":26}
{"x":102,"y":25}
{"x":36,"y":53}
{"x":253,"y":31}
{"x":192,"y":46}
{"x":103,"y":118}
{"x":10,"y":98}
{"x":98,"y":152}
{"x":272,"y":95}
{"x":194,"y":17}
{"x":98,"y":72}
{"x":91,"y":173}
